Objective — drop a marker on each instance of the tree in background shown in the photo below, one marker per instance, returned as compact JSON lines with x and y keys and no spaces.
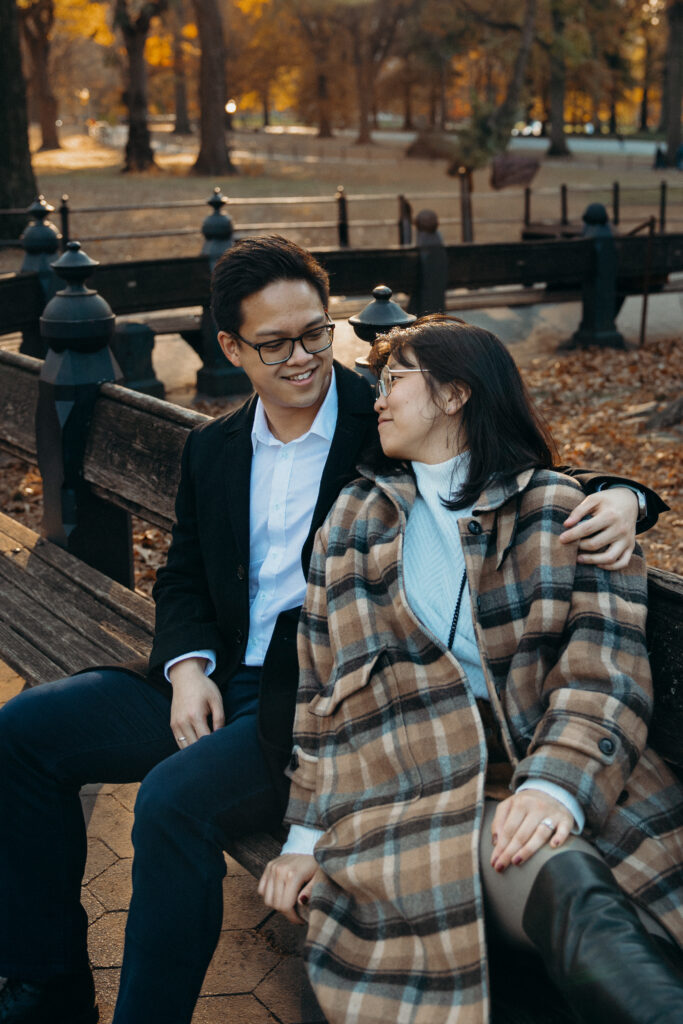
{"x":36,"y":19}
{"x":17,"y":183}
{"x":213,"y":157}
{"x":674,"y":81}
{"x":133,"y":19}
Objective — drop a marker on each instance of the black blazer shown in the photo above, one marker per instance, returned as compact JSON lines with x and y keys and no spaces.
{"x":202,"y":593}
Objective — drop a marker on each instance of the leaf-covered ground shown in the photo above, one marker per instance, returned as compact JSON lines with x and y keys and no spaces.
{"x":596,"y":403}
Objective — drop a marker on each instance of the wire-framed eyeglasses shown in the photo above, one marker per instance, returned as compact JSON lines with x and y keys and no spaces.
{"x":386,"y":379}
{"x":314,"y":340}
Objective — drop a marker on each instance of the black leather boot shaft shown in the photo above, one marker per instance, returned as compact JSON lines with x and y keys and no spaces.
{"x":595,"y":947}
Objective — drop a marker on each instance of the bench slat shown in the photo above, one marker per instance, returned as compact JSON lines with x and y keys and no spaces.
{"x":139,"y":610}
{"x":64,"y":600}
{"x":18,"y":400}
{"x":26,"y":660}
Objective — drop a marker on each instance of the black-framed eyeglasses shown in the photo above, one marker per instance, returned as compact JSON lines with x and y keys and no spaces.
{"x":314,"y":340}
{"x":386,"y":379}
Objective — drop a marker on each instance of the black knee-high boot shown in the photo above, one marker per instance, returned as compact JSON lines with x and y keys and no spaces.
{"x":595,"y":948}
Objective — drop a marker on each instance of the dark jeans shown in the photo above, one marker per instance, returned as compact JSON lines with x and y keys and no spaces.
{"x":108,"y":726}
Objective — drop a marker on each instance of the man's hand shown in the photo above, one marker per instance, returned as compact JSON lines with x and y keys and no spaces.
{"x":522,"y":825}
{"x":287,"y":882}
{"x":197,"y":705}
{"x":608,"y":537}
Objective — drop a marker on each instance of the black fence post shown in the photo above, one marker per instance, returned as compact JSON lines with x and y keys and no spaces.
{"x":466,"y":227}
{"x":616,"y":196}
{"x":40,"y":242}
{"x":432,"y":277}
{"x":564,"y":206}
{"x":216,"y":376}
{"x":662,"y":207}
{"x":599,"y":288}
{"x":77,"y":325}
{"x":405,"y":222}
{"x":64,"y":213}
{"x":342,"y":218}
{"x":527,"y":206}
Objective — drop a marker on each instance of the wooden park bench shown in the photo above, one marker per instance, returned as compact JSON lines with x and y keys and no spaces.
{"x":59,"y":614}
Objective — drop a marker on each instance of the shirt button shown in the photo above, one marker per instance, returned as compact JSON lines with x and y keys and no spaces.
{"x":474,"y":527}
{"x":241,"y":572}
{"x":606,"y":746}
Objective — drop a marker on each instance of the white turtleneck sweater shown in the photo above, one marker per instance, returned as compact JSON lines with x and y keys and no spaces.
{"x":433,"y":566}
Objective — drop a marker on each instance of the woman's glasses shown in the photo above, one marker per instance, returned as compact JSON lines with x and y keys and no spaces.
{"x":387,"y":377}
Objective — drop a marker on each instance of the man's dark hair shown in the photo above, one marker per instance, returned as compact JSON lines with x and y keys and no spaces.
{"x":503,"y":430}
{"x":252,"y":264}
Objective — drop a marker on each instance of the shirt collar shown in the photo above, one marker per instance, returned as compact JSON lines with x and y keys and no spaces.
{"x":323,"y":425}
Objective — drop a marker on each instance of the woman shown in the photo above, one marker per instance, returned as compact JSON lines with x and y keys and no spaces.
{"x":453,"y":653}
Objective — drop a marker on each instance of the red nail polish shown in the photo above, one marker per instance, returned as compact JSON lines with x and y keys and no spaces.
{"x":516,"y":860}
{"x":303,"y":899}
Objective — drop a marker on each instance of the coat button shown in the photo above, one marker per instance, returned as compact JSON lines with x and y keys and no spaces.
{"x":606,"y":745}
{"x":474,"y":527}
{"x":294,"y":762}
{"x":623,"y":797}
{"x":239,"y":636}
{"x":241,"y":572}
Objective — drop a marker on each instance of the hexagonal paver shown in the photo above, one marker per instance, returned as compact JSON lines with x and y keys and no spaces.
{"x":127,"y":794}
{"x":237,"y":1009}
{"x":233,"y":868}
{"x":105,"y":940}
{"x":113,"y":822}
{"x":10,"y":683}
{"x":283,"y":937}
{"x":287,"y":992}
{"x":100,"y":857}
{"x":241,"y":961}
{"x":92,"y":906}
{"x":113,"y":888}
{"x":107,"y":989}
{"x":242,"y":905}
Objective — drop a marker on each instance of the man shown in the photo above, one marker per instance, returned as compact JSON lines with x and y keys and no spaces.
{"x":208,"y":728}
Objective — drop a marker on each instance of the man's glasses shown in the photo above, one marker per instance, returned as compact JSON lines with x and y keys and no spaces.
{"x":386,"y":379}
{"x":314,"y":340}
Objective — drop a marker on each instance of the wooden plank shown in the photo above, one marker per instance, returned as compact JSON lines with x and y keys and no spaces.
{"x":18,"y":400}
{"x":65,"y":600}
{"x":527,"y":263}
{"x":253,"y":852}
{"x":133,"y":452}
{"x":21,"y":301}
{"x":52,"y":636}
{"x":664,"y":253}
{"x":355,"y":271}
{"x":140,"y":610}
{"x":24,"y":657}
{"x":154,"y":284}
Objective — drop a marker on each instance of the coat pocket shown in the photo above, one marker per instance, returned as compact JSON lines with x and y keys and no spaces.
{"x":365,"y":751}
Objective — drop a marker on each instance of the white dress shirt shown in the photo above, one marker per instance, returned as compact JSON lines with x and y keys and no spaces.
{"x":284,"y":486}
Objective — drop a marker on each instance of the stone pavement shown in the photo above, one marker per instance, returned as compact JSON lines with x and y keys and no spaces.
{"x":257,"y":974}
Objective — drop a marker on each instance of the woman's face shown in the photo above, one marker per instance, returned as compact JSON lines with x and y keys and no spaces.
{"x":412,"y":426}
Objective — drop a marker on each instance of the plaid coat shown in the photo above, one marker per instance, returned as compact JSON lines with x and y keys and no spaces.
{"x":390,"y":755}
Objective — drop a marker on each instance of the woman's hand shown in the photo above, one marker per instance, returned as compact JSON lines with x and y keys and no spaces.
{"x":287,"y":882}
{"x":521,"y":825}
{"x":197,"y":705}
{"x":608,"y":537}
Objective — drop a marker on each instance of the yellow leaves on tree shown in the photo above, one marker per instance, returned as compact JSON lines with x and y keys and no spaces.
{"x":81,"y":18}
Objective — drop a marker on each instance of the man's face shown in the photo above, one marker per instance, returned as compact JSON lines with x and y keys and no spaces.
{"x":283,"y":309}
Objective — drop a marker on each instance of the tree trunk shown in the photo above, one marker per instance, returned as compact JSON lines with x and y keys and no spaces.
{"x":505,"y":115}
{"x":361,"y":65}
{"x":37,"y":21}
{"x":139,"y":153}
{"x":408,"y":124}
{"x":265,"y":105}
{"x":674,"y":81}
{"x":558,"y":80}
{"x":182,"y":118}
{"x":323,"y":104}
{"x":17,"y":183}
{"x":213,"y":157}
{"x":647,"y":73}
